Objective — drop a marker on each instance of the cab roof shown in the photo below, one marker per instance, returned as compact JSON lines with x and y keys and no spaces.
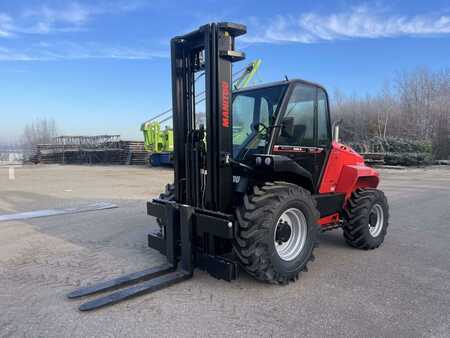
{"x":278,"y":83}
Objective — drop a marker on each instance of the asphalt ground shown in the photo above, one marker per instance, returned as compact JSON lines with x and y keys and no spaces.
{"x":401,"y":289}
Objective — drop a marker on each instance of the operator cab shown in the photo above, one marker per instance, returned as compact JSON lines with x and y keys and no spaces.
{"x":289,"y":120}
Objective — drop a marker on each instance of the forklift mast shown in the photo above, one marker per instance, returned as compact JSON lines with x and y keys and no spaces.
{"x":203,"y":175}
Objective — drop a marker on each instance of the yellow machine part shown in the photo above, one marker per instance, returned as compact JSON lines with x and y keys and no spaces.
{"x":153,"y":137}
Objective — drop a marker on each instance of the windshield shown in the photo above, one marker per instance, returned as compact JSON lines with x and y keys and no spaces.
{"x":250,"y":108}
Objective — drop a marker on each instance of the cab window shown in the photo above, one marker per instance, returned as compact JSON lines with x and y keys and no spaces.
{"x":323,"y":132}
{"x":301,"y":108}
{"x":243,"y":114}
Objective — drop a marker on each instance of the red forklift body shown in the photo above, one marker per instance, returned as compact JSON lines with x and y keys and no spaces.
{"x":346,"y":171}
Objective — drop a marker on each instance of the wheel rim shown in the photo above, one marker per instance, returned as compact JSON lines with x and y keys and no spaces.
{"x":376,"y":220}
{"x":290,"y":234}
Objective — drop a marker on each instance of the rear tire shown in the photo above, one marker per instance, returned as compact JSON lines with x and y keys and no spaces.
{"x":367,"y":219}
{"x":277,"y":233}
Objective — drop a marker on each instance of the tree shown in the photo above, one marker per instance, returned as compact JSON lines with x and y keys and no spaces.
{"x":415,"y":108}
{"x":40,"y":131}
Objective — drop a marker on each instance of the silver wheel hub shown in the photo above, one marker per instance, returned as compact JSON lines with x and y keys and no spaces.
{"x":290,"y":234}
{"x":376,"y":220}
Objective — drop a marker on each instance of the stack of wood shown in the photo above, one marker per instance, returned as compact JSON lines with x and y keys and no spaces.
{"x":134,"y":153}
{"x":100,"y":149}
{"x":75,"y":154}
{"x":47,"y":154}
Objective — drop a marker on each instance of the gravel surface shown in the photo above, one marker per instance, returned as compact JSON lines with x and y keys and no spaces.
{"x":400,"y":289}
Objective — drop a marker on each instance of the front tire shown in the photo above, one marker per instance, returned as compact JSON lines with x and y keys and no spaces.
{"x":367,"y":219}
{"x":277,"y":233}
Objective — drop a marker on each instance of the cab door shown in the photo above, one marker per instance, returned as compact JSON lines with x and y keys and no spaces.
{"x":301,"y":142}
{"x":324,"y":137}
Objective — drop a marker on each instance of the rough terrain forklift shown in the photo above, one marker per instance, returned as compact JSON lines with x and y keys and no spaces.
{"x":255,"y":185}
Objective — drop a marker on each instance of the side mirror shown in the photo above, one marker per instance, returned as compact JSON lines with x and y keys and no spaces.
{"x":336,"y":125}
{"x":287,"y":129}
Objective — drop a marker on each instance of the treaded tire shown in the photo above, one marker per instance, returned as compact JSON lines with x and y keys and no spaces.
{"x":258,"y":216}
{"x":357,"y":213}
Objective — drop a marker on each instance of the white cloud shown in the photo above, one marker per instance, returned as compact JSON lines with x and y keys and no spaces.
{"x":7,"y":54}
{"x":68,"y":17}
{"x":73,"y":51}
{"x":72,"y":13}
{"x":72,"y":16}
{"x":358,"y":22}
{"x":5,"y":26}
{"x":45,"y":20}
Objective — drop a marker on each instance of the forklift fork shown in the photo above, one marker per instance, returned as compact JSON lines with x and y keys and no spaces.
{"x":152,"y":279}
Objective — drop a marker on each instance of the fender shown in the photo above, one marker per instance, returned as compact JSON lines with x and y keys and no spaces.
{"x":356,"y":176}
{"x":346,"y":171}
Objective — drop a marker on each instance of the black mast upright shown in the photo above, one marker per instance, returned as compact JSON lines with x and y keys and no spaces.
{"x":211,"y":48}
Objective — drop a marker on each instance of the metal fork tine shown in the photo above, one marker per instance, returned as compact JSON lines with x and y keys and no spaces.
{"x":121,"y":281}
{"x":152,"y":285}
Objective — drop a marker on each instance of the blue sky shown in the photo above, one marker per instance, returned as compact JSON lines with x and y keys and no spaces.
{"x":104,"y":67}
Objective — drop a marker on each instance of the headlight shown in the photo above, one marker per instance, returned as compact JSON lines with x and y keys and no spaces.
{"x":268,"y":161}
{"x":258,"y":160}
